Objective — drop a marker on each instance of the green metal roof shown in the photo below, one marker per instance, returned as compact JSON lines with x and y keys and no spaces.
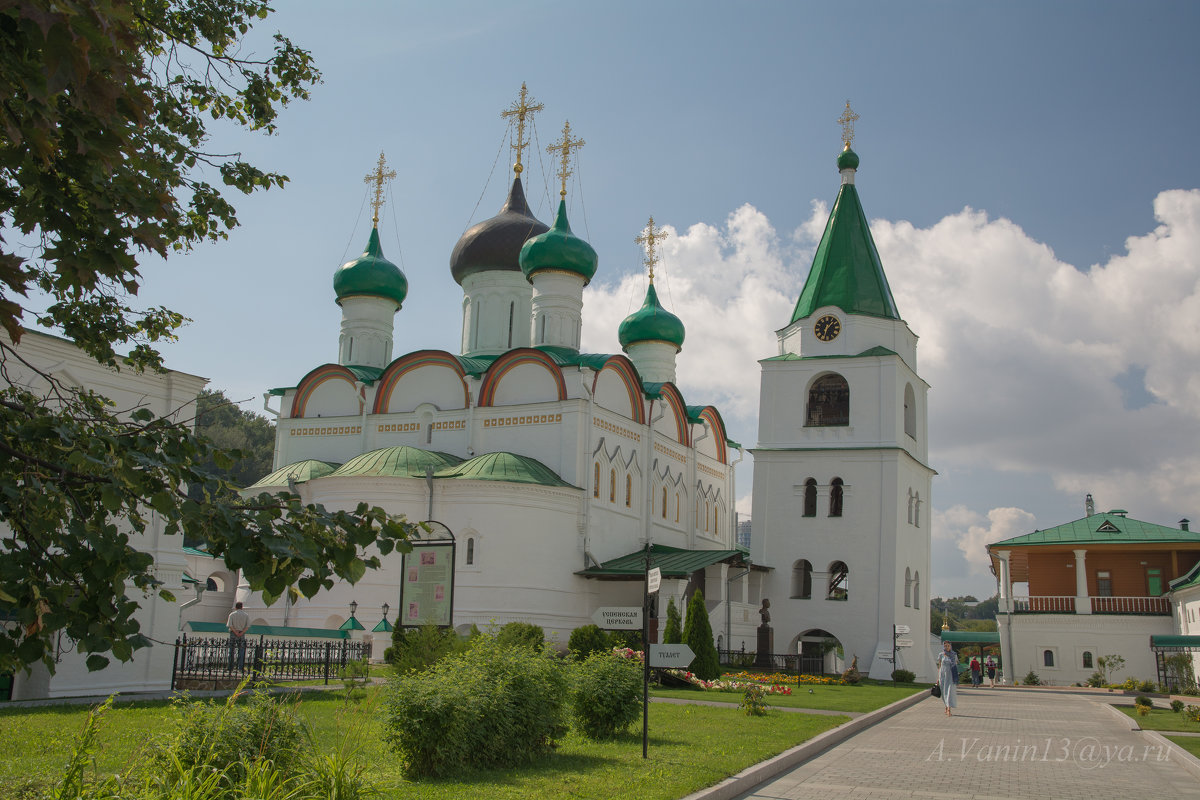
{"x":299,"y":471}
{"x":1187,"y":580}
{"x":651,"y":323}
{"x":351,"y":624}
{"x":1104,"y":528}
{"x":508,"y":467}
{"x":846,"y":271}
{"x":674,"y":562}
{"x":383,"y":626}
{"x":873,"y":352}
{"x":971,"y":637}
{"x":196,"y":551}
{"x":269,"y":630}
{"x":559,"y":249}
{"x":1175,"y":640}
{"x":397,"y":462}
{"x":371,"y":275}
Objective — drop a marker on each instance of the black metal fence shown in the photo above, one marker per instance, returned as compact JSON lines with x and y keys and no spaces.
{"x":218,"y":659}
{"x":780,"y":662}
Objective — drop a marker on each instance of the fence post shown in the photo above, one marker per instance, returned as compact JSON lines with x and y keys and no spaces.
{"x":175,"y":664}
{"x":256,"y":665}
{"x":328,"y":655}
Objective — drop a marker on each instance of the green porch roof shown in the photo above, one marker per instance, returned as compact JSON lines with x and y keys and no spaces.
{"x":269,"y":630}
{"x":1175,"y":641}
{"x":1104,"y":528}
{"x":971,"y":637}
{"x":846,"y":271}
{"x":675,"y":562}
{"x":196,"y":551}
{"x":1187,"y":580}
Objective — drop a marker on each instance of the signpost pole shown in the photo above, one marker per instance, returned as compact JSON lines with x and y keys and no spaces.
{"x":895,"y":633}
{"x":646,"y":658}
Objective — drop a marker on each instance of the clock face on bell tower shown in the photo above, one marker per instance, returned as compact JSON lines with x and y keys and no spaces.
{"x":827,"y":328}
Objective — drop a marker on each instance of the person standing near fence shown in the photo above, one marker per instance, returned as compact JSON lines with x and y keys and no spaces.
{"x":238,"y":623}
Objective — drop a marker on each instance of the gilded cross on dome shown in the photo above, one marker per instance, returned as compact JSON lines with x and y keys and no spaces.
{"x":649,"y":239}
{"x":521,"y":109}
{"x":565,"y":145}
{"x":377,"y":177}
{"x":847,"y":120}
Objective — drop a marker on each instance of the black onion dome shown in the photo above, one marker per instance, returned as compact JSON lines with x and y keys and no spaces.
{"x":495,"y":244}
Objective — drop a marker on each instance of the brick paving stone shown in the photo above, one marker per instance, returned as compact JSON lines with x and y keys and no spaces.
{"x":1001,"y":743}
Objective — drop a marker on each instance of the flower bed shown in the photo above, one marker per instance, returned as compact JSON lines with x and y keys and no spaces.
{"x":726,"y":685}
{"x":780,"y":678}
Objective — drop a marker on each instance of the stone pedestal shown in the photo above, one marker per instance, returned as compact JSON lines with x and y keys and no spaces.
{"x":766,"y":646}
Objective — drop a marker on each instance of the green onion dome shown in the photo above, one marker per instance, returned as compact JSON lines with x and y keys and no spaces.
{"x":559,"y":249}
{"x":495,"y":244}
{"x":371,"y":275}
{"x":847,"y":159}
{"x":651,"y":323}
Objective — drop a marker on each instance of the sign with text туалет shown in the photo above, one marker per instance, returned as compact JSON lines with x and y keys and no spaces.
{"x":618,"y":618}
{"x":666,"y":656}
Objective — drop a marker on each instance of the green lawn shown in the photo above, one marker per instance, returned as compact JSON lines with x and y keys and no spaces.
{"x":1188,"y":743}
{"x":690,"y":747}
{"x":831,"y":698}
{"x":1161,"y":719}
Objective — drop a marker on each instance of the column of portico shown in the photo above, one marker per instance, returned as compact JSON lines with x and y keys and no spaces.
{"x":1083,"y":604}
{"x":1005,"y":583}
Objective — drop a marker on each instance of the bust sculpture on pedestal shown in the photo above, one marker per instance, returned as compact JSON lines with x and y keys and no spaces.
{"x":766,"y":636}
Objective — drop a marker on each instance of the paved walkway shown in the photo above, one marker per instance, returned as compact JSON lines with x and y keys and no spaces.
{"x":999,"y":744}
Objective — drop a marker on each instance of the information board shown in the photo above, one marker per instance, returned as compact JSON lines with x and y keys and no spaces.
{"x":427,"y":591}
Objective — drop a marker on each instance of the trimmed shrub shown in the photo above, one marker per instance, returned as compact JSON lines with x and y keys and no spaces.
{"x":607,"y":696}
{"x":697,"y":634}
{"x":903,"y":676}
{"x":491,"y":706}
{"x":630,"y":639}
{"x":673,"y":632}
{"x":1142,"y":700}
{"x":522,"y":634}
{"x":587,"y":640}
{"x":1177,"y":706}
{"x":230,"y":737}
{"x":415,"y":649}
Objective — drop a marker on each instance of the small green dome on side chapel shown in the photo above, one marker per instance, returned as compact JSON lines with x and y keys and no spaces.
{"x":371,"y":274}
{"x":651,"y":323}
{"x":559,"y":249}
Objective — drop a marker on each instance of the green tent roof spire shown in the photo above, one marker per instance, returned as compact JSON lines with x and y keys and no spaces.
{"x":846,"y":271}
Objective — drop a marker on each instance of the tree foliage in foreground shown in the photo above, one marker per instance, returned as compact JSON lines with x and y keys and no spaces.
{"x":103,"y":134}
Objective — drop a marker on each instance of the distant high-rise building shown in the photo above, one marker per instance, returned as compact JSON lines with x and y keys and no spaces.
{"x":743,"y":534}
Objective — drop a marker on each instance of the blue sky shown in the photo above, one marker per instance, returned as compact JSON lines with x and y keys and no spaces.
{"x":1009,"y":153}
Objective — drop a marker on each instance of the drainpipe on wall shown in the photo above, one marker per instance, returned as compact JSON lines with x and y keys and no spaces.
{"x":581,"y":464}
{"x":190,"y":603}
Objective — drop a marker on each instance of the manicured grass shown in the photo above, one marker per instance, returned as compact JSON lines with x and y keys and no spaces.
{"x":1161,"y":719}
{"x":1188,"y":743}
{"x":690,"y":747}
{"x":832,"y":698}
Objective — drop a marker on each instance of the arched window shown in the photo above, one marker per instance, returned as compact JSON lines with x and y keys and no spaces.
{"x":612,"y":486}
{"x":678,"y":505}
{"x":917,"y":509}
{"x":907,"y":587}
{"x":828,"y":402}
{"x":716,"y":519}
{"x":628,"y":491}
{"x":1087,"y":659}
{"x":910,"y":506}
{"x":706,"y":515}
{"x":839,"y":581}
{"x":910,"y":411}
{"x":664,"y":504}
{"x":802,"y":580}
{"x":596,"y":481}
{"x":512,"y":312}
{"x":810,"y":497}
{"x":916,"y":590}
{"x":1047,"y":658}
{"x":835,"y":498}
{"x":211,"y":586}
{"x":470,"y":551}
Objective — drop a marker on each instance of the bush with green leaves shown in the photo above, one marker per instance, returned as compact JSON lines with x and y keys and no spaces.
{"x":903,"y":675}
{"x":673,"y":632}
{"x":1177,"y":706}
{"x":1096,"y":680}
{"x":697,"y":634}
{"x":1191,"y":713}
{"x":490,"y":706}
{"x":607,"y":695}
{"x":415,"y":649}
{"x":752,"y":701}
{"x":587,"y":640}
{"x":1142,"y":700}
{"x":1147,"y":686}
{"x":229,"y":737}
{"x":522,"y":634}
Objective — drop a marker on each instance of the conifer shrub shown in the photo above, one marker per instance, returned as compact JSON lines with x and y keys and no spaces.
{"x":673,"y":632}
{"x":697,"y":634}
{"x":488,"y":707}
{"x":415,"y":649}
{"x":587,"y":640}
{"x":1031,"y":679}
{"x":521,"y":634}
{"x":607,"y":695}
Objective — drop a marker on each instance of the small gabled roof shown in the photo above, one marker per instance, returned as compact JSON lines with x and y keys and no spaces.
{"x":1111,"y":527}
{"x":674,"y":562}
{"x":1187,"y":580}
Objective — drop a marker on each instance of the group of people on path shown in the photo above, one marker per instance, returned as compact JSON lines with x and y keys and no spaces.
{"x":947,"y":664}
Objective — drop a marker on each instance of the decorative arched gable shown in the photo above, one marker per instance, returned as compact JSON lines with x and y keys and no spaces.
{"x":674,"y":401}
{"x":617,"y":387}
{"x":536,"y":371}
{"x":716,"y":430}
{"x":326,"y":391}
{"x":439,"y":380}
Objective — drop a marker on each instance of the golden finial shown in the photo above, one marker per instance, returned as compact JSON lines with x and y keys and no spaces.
{"x":651,"y":237}
{"x":847,"y":120}
{"x":566,"y":144}
{"x":521,"y":109}
{"x":946,"y":620}
{"x":377,"y":177}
